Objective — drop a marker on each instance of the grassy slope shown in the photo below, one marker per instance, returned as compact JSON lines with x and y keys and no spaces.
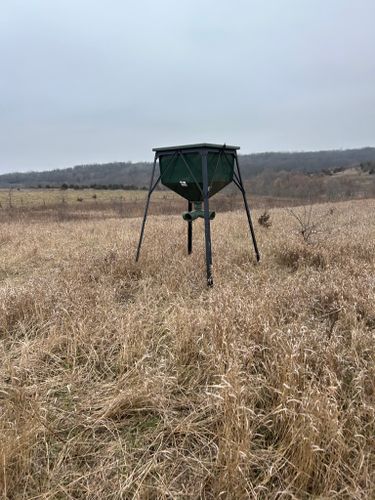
{"x":128,"y":380}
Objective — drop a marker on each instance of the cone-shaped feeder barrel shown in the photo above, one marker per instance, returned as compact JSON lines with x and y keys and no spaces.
{"x":181,"y":168}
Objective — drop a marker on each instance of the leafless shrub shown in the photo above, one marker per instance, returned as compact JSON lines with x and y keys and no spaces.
{"x":310,"y":224}
{"x":265,"y":219}
{"x":295,"y":257}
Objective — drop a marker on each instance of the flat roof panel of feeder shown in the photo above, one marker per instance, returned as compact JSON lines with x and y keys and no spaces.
{"x":203,"y":145}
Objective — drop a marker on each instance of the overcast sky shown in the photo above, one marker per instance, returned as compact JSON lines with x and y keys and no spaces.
{"x":86,"y":81}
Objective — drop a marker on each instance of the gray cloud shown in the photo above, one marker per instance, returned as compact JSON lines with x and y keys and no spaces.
{"x":85,"y":81}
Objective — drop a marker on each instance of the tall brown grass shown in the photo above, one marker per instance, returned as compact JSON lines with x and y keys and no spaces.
{"x":120,"y":380}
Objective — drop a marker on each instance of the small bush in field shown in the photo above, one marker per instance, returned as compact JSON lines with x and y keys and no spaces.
{"x":265,"y":219}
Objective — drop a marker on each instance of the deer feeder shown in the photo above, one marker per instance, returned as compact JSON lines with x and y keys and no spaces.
{"x":197,"y":172}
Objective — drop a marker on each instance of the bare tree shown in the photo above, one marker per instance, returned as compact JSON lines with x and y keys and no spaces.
{"x":308,"y":223}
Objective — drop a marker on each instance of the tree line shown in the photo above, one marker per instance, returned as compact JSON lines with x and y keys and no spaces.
{"x":138,"y":174}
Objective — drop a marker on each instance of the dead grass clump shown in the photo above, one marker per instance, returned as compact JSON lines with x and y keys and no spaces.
{"x":360,"y":251}
{"x":24,"y":310}
{"x":329,"y":306}
{"x":366,"y":315}
{"x":265,"y":219}
{"x":20,"y":432}
{"x":299,"y":255}
{"x":5,"y":237}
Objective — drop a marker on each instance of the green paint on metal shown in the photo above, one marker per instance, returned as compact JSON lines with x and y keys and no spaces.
{"x":181,"y":171}
{"x":197,"y":213}
{"x":202,"y":145}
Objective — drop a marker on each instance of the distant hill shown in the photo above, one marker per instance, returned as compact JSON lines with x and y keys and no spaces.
{"x":308,"y":162}
{"x":126,"y":173}
{"x":137,"y":174}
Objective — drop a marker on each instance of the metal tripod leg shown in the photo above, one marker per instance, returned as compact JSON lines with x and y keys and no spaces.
{"x":242,"y":189}
{"x":190,"y":230}
{"x":150,"y":191}
{"x":207,"y":228}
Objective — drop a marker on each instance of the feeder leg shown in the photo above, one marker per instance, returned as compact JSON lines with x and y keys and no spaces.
{"x":151,"y":188}
{"x":242,"y":189}
{"x":190,"y":230}
{"x":207,"y":228}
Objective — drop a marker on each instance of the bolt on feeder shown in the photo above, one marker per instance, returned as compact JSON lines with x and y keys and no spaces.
{"x":197,"y":172}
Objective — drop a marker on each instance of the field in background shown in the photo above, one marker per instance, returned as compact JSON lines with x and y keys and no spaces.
{"x":120,"y":380}
{"x":267,"y":189}
{"x":71,"y":204}
{"x":31,"y":198}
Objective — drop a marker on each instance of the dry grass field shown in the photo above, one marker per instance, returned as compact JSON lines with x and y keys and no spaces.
{"x":29,"y":197}
{"x":55,"y":204}
{"x":124,"y":380}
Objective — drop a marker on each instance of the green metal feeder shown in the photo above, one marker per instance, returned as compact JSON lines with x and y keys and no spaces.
{"x":196,"y":172}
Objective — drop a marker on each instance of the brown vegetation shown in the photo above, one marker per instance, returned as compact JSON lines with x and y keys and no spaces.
{"x":266,"y":188}
{"x":265,"y":219}
{"x":55,"y":205}
{"x":120,"y":380}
